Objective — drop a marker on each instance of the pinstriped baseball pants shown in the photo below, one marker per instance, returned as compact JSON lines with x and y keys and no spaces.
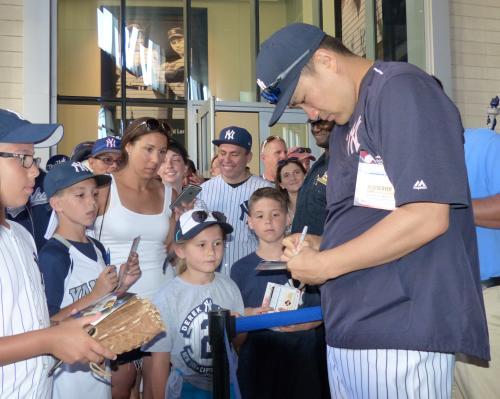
{"x":389,"y":373}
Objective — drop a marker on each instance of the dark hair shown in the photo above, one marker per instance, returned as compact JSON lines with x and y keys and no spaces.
{"x":281,"y":165}
{"x":191,"y":166}
{"x":269,"y":193}
{"x":178,"y":148}
{"x":82,"y":151}
{"x":140,"y":127}
{"x":332,"y":44}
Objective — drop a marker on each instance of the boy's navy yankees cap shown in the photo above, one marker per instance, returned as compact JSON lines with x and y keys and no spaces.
{"x":106,"y":144}
{"x":235,"y":135}
{"x":56,"y":160}
{"x":69,"y":173}
{"x":281,"y":60}
{"x":193,"y":222}
{"x":15,"y":129}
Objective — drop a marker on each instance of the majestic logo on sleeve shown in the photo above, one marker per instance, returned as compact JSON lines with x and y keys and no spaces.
{"x":194,"y":329}
{"x":352,"y":138}
{"x":420,"y":185}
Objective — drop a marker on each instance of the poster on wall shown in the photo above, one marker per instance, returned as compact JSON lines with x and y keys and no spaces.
{"x":155,"y":52}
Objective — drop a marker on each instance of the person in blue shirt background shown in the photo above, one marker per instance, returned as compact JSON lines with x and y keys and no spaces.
{"x":482,"y":157}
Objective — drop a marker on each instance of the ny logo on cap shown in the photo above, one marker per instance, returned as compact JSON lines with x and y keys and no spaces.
{"x":229,"y":135}
{"x":110,"y":142}
{"x":79,"y":167}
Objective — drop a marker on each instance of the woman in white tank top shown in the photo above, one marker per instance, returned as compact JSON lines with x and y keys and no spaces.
{"x":137,"y":203}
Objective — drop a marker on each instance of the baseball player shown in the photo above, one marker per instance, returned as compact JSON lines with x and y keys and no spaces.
{"x":398,"y":257}
{"x":230,"y":191}
{"x":25,"y":333}
{"x":174,"y":71}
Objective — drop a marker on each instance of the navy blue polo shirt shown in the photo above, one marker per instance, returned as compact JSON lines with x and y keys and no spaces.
{"x":430,"y":299}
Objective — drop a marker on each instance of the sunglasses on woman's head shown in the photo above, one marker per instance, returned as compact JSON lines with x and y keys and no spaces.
{"x":303,"y":150}
{"x":154,"y":125}
{"x":287,"y":161}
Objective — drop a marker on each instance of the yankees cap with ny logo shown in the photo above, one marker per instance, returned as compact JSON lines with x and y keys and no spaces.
{"x":69,"y":173}
{"x":235,"y":135}
{"x":106,"y":144}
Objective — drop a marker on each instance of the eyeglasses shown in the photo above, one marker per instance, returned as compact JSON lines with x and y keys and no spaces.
{"x":269,"y":139}
{"x":302,"y":150}
{"x":110,"y":161}
{"x":272,"y":92}
{"x":284,"y":162}
{"x":27,"y":160}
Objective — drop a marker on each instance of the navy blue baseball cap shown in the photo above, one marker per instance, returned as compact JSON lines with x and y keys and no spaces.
{"x":56,"y":160}
{"x":192,"y":222}
{"x":281,"y":60}
{"x":69,"y":173}
{"x":15,"y":129}
{"x":106,"y":144}
{"x":235,"y":135}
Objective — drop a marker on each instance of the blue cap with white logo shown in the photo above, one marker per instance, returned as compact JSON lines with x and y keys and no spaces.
{"x":56,"y":160}
{"x":66,"y":174}
{"x":193,"y":222}
{"x":281,"y":60}
{"x":15,"y":129}
{"x":235,"y":135}
{"x":106,"y":144}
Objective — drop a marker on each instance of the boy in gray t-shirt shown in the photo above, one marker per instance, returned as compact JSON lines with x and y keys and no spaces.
{"x":184,"y":303}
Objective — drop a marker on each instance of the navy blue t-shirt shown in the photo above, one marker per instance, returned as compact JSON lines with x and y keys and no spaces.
{"x":430,"y":299}
{"x":252,"y":283}
{"x":276,"y":364}
{"x":55,"y":263}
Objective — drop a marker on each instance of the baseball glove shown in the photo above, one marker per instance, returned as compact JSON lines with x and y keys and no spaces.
{"x":129,"y":327}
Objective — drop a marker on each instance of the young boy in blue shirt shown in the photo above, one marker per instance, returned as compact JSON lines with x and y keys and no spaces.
{"x":290,"y":363}
{"x":76,"y":268}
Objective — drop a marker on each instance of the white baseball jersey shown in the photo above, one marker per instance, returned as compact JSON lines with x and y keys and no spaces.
{"x":217,"y":195}
{"x":389,"y":373}
{"x":23,"y":308}
{"x":79,"y":282}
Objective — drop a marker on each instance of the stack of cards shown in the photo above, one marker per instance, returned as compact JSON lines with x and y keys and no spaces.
{"x":281,"y":297}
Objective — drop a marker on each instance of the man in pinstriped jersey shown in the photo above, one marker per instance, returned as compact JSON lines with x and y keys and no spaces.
{"x":230,"y":191}
{"x":398,"y":257}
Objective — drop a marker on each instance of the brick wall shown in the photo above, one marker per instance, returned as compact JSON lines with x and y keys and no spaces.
{"x":11,"y":54}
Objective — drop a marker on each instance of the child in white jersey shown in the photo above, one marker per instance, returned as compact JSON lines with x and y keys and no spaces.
{"x":75,"y":268}
{"x":182,"y":357}
{"x":25,"y":336}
